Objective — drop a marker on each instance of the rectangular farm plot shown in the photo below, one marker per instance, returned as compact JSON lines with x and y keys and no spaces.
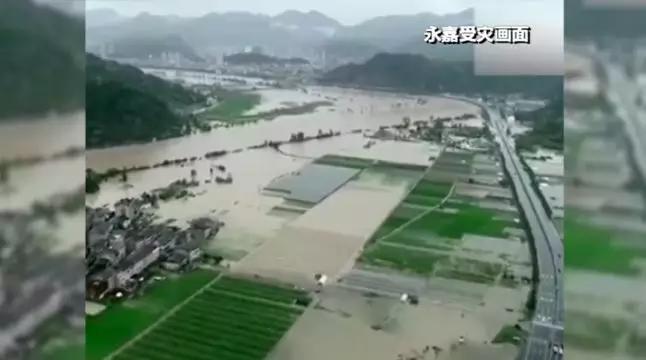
{"x":432,"y":188}
{"x":345,"y":161}
{"x":421,"y":239}
{"x":401,"y":258}
{"x":232,"y":319}
{"x":471,"y":270}
{"x":312,"y":183}
{"x":119,"y":323}
{"x":466,"y":219}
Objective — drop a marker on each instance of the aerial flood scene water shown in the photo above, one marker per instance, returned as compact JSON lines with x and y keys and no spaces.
{"x":350,"y":202}
{"x":221,"y":180}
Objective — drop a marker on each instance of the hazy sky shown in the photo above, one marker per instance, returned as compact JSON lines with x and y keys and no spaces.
{"x":345,"y":11}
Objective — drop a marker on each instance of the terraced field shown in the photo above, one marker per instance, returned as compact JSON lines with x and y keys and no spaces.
{"x":231,"y":319}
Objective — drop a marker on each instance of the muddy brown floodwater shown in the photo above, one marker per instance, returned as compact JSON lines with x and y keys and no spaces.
{"x":242,"y":204}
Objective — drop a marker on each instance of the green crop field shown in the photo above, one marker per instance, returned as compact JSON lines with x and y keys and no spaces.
{"x":344,"y":161}
{"x":432,"y":189}
{"x":422,"y":239}
{"x":407,"y":211}
{"x":232,"y":105}
{"x":422,"y":262}
{"x":469,"y":219}
{"x":231,"y":319}
{"x":388,"y":226}
{"x":119,"y":323}
{"x":423,"y":200}
{"x":592,"y":248}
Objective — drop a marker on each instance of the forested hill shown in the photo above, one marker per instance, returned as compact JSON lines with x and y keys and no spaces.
{"x":416,"y":73}
{"x":41,"y":57}
{"x":176,"y":96}
{"x":124,"y":105}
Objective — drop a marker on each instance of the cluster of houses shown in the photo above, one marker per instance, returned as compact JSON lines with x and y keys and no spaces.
{"x":122,"y":244}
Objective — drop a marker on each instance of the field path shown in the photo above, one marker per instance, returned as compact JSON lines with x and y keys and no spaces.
{"x":164,"y":317}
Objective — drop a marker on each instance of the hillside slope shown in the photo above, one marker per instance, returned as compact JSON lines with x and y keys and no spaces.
{"x":124,"y":105}
{"x":416,"y":73}
{"x":30,"y":35}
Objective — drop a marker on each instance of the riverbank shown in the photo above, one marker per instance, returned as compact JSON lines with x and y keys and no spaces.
{"x":94,"y":178}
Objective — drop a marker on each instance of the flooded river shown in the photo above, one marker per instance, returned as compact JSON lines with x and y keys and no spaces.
{"x":242,"y":205}
{"x":352,"y":109}
{"x":44,"y":179}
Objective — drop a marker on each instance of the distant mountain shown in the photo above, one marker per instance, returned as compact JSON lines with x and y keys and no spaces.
{"x":394,"y":30}
{"x":124,"y":105}
{"x":140,"y":26}
{"x":418,"y":74}
{"x":398,"y":34}
{"x":261,"y":59}
{"x":456,"y":52}
{"x":348,"y":50}
{"x":220,"y":32}
{"x":293,"y":33}
{"x":299,"y":19}
{"x":176,"y":96}
{"x":155,"y":46}
{"x":41,"y":57}
{"x":101,"y":17}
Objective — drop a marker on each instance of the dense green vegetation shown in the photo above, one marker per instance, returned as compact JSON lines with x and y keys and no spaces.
{"x":231,"y":105}
{"x":416,"y":73}
{"x":547,"y":127}
{"x":119,"y":323}
{"x":104,"y":71}
{"x":511,"y":334}
{"x":124,"y":105}
{"x":231,"y":319}
{"x":41,"y":56}
{"x":118,"y":114}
